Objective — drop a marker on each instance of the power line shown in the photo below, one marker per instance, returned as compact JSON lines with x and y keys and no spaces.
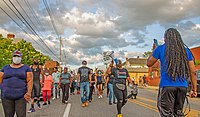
{"x":34,"y":32}
{"x":62,"y":42}
{"x":33,"y":13}
{"x":28,"y":16}
{"x":51,"y":17}
{"x":54,"y":26}
{"x":20,"y":20}
{"x":22,"y":28}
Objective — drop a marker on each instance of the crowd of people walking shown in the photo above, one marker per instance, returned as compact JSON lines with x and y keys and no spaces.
{"x":32,"y":82}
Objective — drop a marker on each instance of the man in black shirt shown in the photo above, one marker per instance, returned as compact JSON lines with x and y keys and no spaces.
{"x":84,"y":78}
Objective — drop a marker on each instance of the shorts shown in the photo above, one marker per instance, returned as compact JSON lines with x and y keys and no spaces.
{"x":100,"y":82}
{"x":36,"y":89}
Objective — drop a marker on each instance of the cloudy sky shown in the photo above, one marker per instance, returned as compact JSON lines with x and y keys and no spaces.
{"x":90,"y":27}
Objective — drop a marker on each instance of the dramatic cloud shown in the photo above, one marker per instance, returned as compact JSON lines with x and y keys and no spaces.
{"x":89,"y":27}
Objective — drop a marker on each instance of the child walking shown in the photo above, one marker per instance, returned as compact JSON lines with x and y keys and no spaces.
{"x":47,"y":87}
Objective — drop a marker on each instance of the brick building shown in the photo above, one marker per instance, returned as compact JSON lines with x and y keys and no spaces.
{"x":154,"y":71}
{"x":10,"y":36}
{"x":196,"y":53}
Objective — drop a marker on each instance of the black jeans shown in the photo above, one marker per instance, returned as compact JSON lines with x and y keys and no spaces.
{"x":72,"y":88}
{"x":91,"y":92}
{"x":171,"y":101}
{"x":65,"y":91}
{"x":121,"y":96}
{"x":12,"y":106}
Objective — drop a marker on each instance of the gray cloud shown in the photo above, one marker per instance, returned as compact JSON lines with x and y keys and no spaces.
{"x":90,"y":25}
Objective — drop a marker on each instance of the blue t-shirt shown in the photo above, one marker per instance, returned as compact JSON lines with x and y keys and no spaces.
{"x":165,"y":80}
{"x":14,"y":85}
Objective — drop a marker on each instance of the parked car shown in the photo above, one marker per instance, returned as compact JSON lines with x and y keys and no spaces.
{"x":198,"y":84}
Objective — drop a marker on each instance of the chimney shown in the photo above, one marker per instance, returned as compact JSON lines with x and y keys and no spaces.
{"x":10,"y":36}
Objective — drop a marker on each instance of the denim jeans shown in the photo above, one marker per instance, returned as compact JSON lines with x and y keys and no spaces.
{"x":0,"y":92}
{"x":111,"y":95}
{"x":85,"y":91}
{"x":56,"y":91}
{"x":12,"y":106}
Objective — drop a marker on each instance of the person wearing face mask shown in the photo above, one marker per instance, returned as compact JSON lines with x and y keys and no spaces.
{"x":120,"y":75}
{"x":47,"y":86}
{"x":37,"y":71}
{"x":15,"y":97}
{"x":99,"y":79}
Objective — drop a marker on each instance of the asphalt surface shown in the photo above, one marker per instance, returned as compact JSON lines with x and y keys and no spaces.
{"x":143,"y":106}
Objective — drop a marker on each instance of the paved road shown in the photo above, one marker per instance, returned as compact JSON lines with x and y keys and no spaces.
{"x":143,"y":106}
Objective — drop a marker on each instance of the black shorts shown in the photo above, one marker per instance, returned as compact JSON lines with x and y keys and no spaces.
{"x":36,"y":89}
{"x":98,"y":83}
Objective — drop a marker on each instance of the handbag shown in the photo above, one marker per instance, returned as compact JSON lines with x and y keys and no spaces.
{"x":120,"y":86}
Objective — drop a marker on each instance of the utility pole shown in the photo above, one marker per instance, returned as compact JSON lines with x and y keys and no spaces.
{"x":60,"y":49}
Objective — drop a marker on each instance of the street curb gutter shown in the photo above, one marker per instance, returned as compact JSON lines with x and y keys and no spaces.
{"x":149,"y":87}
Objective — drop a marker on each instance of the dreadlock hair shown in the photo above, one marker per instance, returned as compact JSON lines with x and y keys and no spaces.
{"x":175,"y":55}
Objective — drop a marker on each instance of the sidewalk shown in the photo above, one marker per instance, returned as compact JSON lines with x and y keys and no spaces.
{"x":149,"y":87}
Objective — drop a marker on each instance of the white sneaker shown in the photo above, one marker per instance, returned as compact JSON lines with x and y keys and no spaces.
{"x":53,"y":98}
{"x":99,"y":96}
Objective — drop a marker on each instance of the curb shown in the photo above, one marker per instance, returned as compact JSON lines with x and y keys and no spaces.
{"x":149,"y":87}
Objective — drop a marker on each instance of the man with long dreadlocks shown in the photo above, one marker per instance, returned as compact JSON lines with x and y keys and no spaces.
{"x":177,"y":67}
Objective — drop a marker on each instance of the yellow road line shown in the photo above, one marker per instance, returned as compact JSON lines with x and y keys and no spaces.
{"x":193,"y":112}
{"x":146,"y":99}
{"x":144,"y":105}
{"x":153,"y":101}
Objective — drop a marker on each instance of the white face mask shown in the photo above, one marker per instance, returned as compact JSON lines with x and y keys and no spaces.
{"x":46,"y":74}
{"x":17,"y":60}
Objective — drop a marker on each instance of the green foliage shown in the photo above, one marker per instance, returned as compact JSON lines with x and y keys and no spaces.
{"x":197,"y":62}
{"x":29,"y":53}
{"x":146,"y":54}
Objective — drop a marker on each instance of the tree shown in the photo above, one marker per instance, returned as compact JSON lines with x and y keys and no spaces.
{"x":146,"y":54}
{"x":5,"y":53}
{"x":28,"y":52}
{"x":197,"y":62}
